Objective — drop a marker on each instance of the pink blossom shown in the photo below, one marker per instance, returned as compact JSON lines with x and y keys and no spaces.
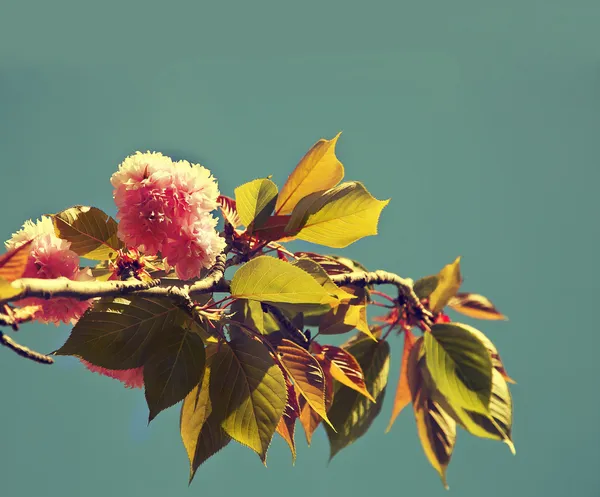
{"x":50,"y":258}
{"x":131,"y":378}
{"x":164,"y":206}
{"x":196,"y":247}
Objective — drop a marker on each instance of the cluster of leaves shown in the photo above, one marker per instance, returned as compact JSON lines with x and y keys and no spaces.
{"x":244,"y":362}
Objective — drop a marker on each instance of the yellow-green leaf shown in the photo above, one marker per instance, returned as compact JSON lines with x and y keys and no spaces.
{"x":115,"y":332}
{"x":92,"y":233}
{"x":460,"y":365}
{"x":271,"y":280}
{"x":174,"y":365}
{"x":343,"y":319}
{"x":255,"y":201}
{"x":351,"y":412}
{"x":250,"y":390}
{"x":425,"y":286}
{"x":448,"y":283}
{"x":336,"y":217}
{"x":475,"y":306}
{"x":7,"y":291}
{"x":307,"y":374}
{"x":318,"y":170}
{"x":435,"y":427}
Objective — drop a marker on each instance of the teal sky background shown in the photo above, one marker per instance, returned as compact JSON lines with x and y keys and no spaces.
{"x":479,"y":119}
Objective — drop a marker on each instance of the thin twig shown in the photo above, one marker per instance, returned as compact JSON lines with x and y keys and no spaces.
{"x":24,"y":351}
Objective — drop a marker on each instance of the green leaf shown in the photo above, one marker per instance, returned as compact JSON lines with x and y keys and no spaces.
{"x":255,"y":201}
{"x":114,"y":333}
{"x":318,"y":170}
{"x":271,"y":280}
{"x":92,"y":233}
{"x":200,"y":427}
{"x":460,"y":365}
{"x":351,"y":412}
{"x":307,"y":374}
{"x":250,"y":390}
{"x":174,"y":366}
{"x":435,"y":427}
{"x":251,"y":314}
{"x":425,"y":286}
{"x":448,"y":283}
{"x":336,"y":217}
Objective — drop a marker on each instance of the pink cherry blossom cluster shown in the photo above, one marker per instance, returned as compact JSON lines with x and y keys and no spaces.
{"x":131,"y":378}
{"x":165,"y":207}
{"x":50,"y":258}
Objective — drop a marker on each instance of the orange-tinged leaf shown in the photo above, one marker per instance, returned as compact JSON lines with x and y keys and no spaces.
{"x":307,"y":374}
{"x":475,"y":306}
{"x":309,"y":419}
{"x":403,"y":397}
{"x":435,"y":427}
{"x":351,"y":413}
{"x":14,"y":262}
{"x":287,"y":423}
{"x":448,"y":283}
{"x":318,"y":170}
{"x":346,"y":369}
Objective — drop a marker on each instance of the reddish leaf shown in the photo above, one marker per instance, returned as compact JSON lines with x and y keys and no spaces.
{"x":346,"y":369}
{"x":403,"y":397}
{"x":14,"y":262}
{"x":309,"y":419}
{"x":229,"y":209}
{"x":475,"y":306}
{"x":330,"y":264}
{"x":287,"y":423}
{"x":307,"y":374}
{"x":273,"y":229}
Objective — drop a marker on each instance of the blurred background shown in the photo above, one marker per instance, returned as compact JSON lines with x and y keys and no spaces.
{"x":480,"y":121}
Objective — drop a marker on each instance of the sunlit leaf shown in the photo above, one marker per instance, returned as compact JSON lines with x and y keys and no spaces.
{"x":346,"y":369}
{"x":229,"y":210}
{"x":345,"y":318}
{"x":436,"y":428}
{"x":318,"y":170}
{"x":336,"y":217}
{"x":14,"y":262}
{"x":448,"y":283}
{"x":114,"y":333}
{"x":92,"y":233}
{"x":174,"y":365}
{"x":475,"y":306}
{"x":250,"y":313}
{"x":307,"y":374}
{"x":496,"y":360}
{"x":403,"y":397}
{"x":267,"y":279}
{"x":460,"y":365}
{"x":255,"y":201}
{"x":287,"y":423}
{"x":250,"y":391}
{"x":351,"y":412}
{"x":201,"y":431}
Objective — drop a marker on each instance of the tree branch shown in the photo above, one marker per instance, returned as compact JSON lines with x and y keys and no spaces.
{"x":406,"y":293}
